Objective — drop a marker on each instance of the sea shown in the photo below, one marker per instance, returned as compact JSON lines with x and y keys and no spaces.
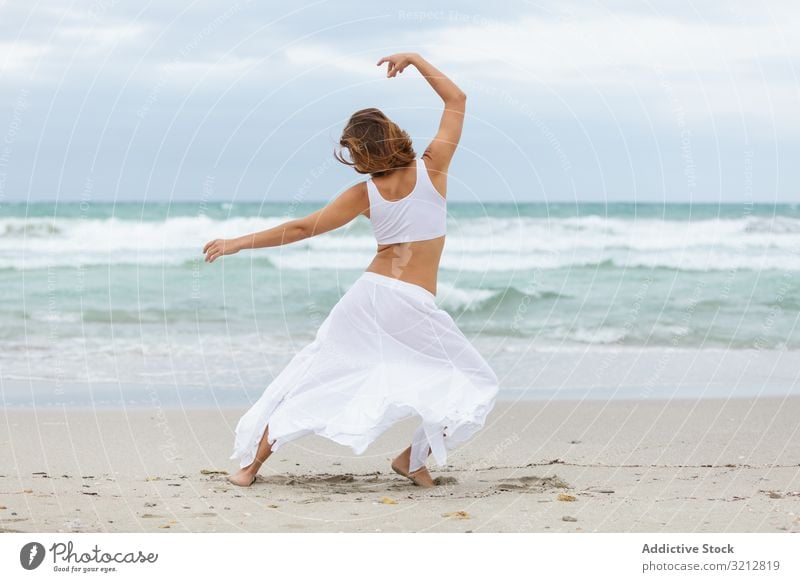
{"x":111,"y":304}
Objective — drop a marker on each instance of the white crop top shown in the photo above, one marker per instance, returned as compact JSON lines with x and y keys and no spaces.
{"x":421,"y":215}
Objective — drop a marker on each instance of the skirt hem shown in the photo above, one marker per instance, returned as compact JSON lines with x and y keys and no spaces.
{"x":457,"y":431}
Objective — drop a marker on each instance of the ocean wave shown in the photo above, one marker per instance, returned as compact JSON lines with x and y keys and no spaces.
{"x":454,"y":298}
{"x":473,"y":244}
{"x":468,"y":300}
{"x":14,"y":228}
{"x":131,"y":315}
{"x":451,"y":262}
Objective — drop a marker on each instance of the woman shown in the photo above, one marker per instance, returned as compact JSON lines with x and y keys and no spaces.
{"x":385,"y":351}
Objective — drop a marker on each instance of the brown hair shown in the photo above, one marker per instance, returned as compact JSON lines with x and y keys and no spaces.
{"x":375,"y":143}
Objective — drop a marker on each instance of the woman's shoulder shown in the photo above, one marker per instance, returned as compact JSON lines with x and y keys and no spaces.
{"x":437,"y":173}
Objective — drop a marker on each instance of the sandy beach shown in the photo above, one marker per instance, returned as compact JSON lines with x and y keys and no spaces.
{"x":564,"y":466}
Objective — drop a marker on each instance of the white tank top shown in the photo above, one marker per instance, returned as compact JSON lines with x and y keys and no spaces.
{"x":421,"y":215}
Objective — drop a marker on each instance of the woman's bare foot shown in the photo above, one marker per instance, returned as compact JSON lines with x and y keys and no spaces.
{"x":419,"y":477}
{"x":246,"y":476}
{"x":243,"y":477}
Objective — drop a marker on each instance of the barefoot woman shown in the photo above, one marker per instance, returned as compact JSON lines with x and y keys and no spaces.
{"x":386,"y":351}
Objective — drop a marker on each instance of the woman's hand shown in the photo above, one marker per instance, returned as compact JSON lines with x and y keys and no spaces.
{"x":219,"y":247}
{"x":398,"y":62}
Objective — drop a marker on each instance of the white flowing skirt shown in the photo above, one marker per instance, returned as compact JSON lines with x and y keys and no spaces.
{"x":385,"y":352}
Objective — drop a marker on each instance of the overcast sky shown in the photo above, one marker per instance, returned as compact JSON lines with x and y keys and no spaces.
{"x":231,"y":101}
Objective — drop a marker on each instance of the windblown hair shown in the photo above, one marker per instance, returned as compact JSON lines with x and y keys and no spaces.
{"x":376,"y":145}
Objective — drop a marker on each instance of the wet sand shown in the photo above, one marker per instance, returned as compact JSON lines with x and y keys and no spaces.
{"x":707,"y":465}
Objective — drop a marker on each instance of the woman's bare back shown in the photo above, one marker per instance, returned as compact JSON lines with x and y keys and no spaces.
{"x":414,"y":262}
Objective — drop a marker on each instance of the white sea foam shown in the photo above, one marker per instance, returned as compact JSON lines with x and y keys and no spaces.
{"x":485,"y":244}
{"x":456,"y":298}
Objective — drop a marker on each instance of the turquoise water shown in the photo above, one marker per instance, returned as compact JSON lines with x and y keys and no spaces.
{"x":120,"y":292}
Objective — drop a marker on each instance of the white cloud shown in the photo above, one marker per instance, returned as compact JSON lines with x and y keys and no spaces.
{"x":603,"y":49}
{"x":705,"y":68}
{"x":20,"y":57}
{"x":319,"y":54}
{"x":227,"y":68}
{"x":740,"y":65}
{"x":72,"y":44}
{"x":100,"y":37}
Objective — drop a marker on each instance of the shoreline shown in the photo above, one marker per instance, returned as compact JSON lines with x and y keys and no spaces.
{"x":589,"y":373}
{"x":503,"y":398}
{"x":235,"y":402}
{"x":689,"y":465}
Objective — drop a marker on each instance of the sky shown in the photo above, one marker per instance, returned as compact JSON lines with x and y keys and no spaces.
{"x":110,"y":100}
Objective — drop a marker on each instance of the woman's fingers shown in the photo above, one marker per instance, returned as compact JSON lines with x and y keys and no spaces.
{"x":211,"y":244}
{"x":210,"y":249}
{"x":214,"y":250}
{"x":393,"y":68}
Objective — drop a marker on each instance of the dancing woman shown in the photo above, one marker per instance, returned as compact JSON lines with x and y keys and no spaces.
{"x":385,"y":351}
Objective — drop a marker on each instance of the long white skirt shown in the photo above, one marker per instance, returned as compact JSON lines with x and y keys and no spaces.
{"x":385,"y":352}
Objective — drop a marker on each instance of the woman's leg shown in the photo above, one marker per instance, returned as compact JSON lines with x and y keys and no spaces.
{"x":245,"y":476}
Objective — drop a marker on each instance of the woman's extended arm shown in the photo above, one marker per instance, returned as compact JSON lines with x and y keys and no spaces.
{"x":443,"y":146}
{"x":339,"y":212}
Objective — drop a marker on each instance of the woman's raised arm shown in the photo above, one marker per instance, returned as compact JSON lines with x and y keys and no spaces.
{"x":444,"y":144}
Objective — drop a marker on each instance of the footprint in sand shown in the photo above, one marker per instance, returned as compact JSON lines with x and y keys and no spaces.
{"x":313,"y":500}
{"x":532,"y":483}
{"x":327,"y":483}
